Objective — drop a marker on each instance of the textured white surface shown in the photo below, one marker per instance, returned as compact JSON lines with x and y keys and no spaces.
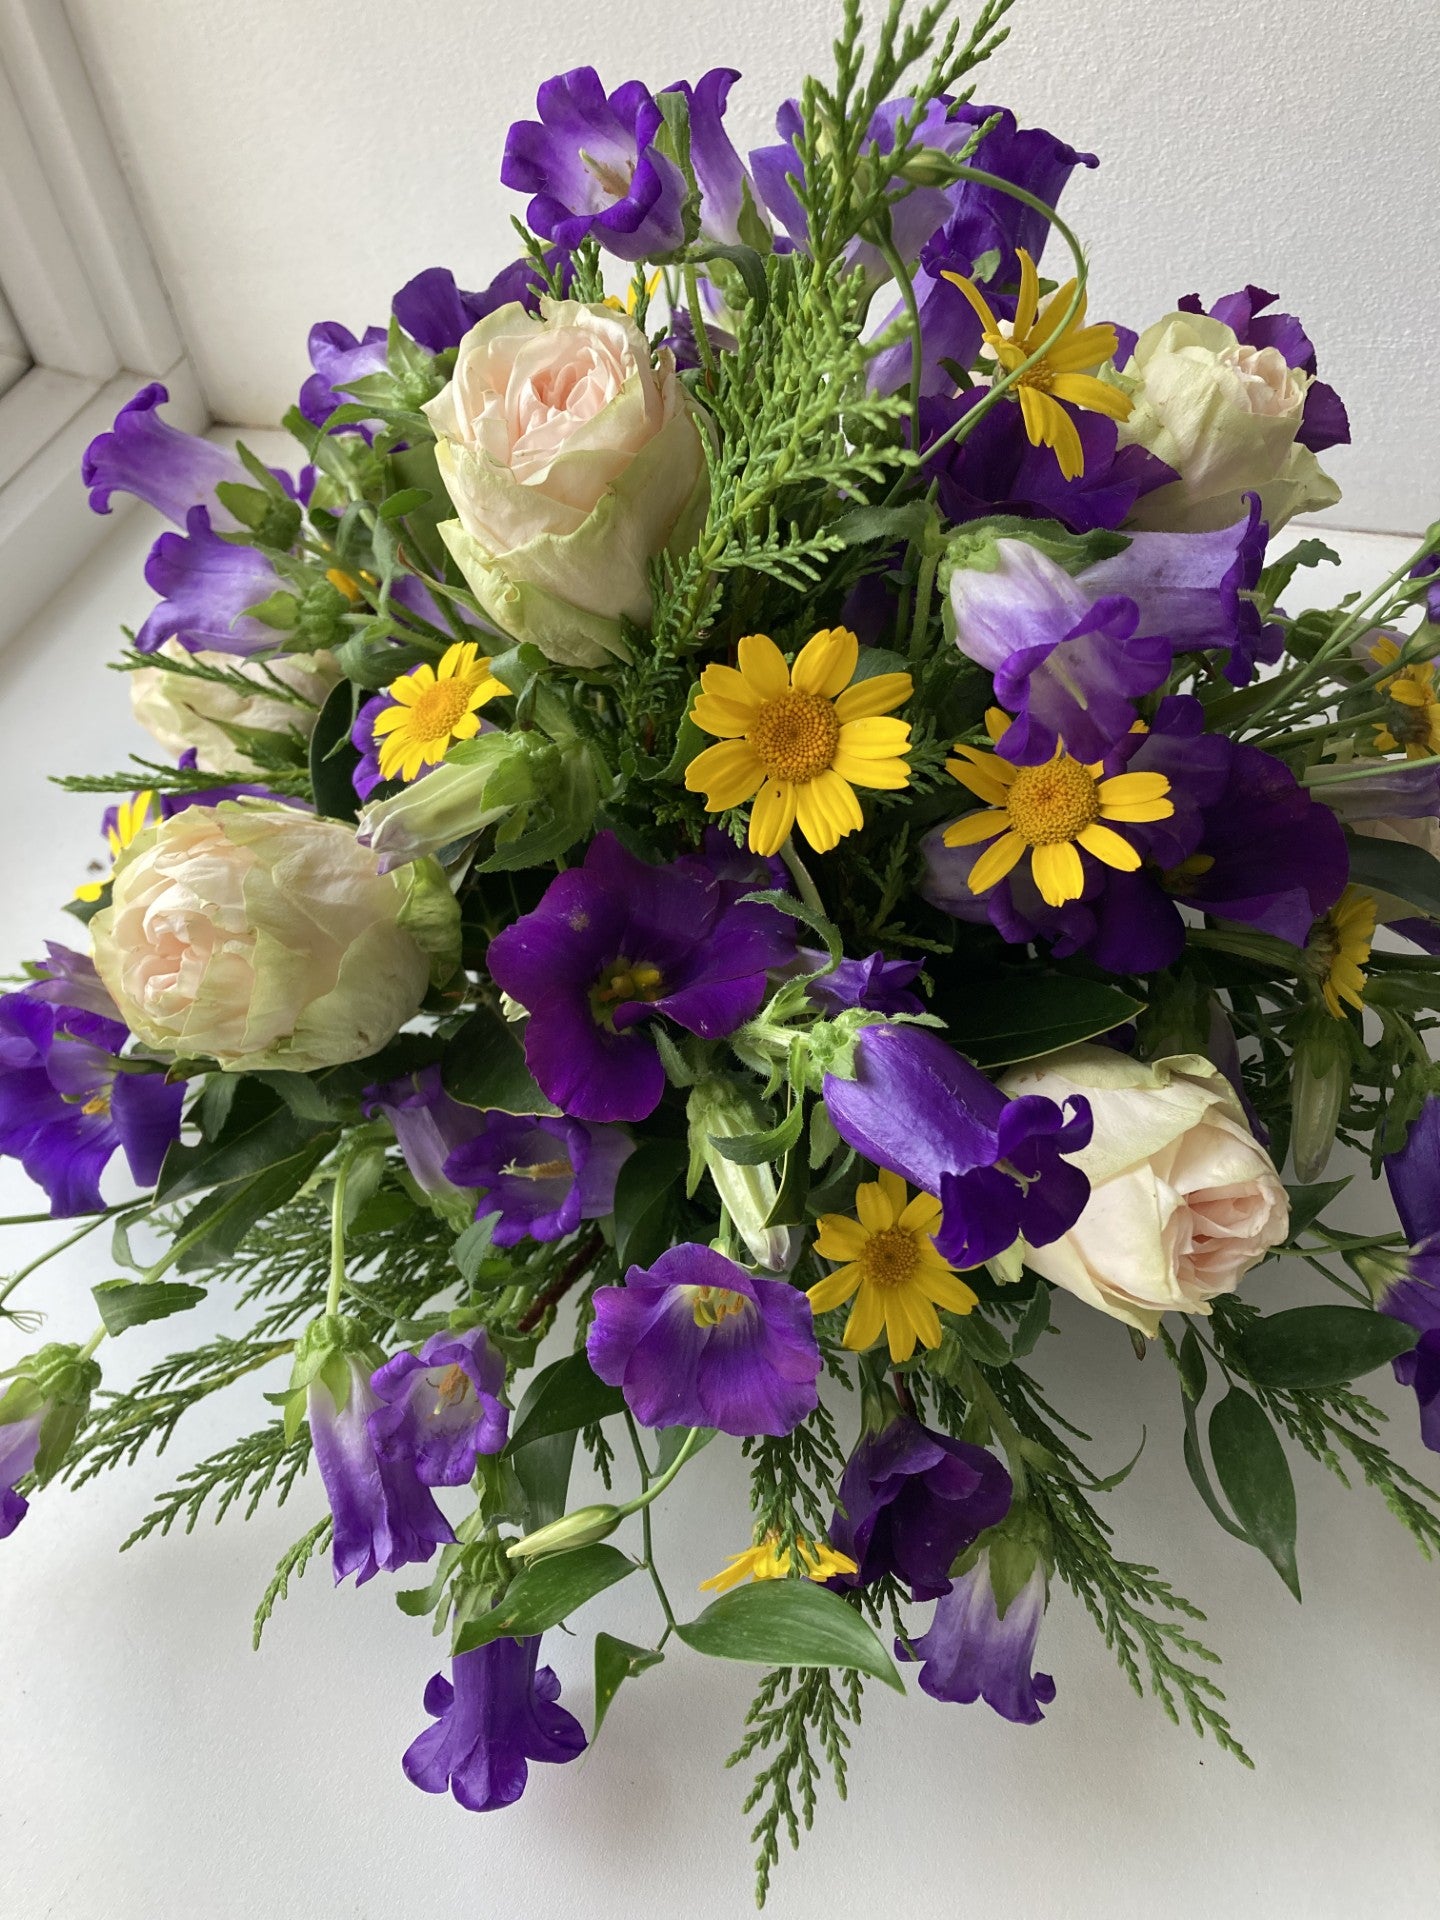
{"x":152,"y":1768}
{"x":298,"y":163}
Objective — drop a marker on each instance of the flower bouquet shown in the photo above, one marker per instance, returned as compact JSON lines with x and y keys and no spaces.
{"x":747,"y":818}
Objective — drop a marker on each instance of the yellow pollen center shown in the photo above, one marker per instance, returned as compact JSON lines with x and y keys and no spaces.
{"x":440,"y":707}
{"x":1182,"y":879}
{"x":98,"y":1103}
{"x":1055,"y":803}
{"x":795,"y":737}
{"x":711,"y":1305}
{"x":539,"y":1170}
{"x":452,"y":1385}
{"x":629,"y":980}
{"x":890,"y":1258}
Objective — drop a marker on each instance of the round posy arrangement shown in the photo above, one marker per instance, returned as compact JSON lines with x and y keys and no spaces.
{"x":756,"y":807}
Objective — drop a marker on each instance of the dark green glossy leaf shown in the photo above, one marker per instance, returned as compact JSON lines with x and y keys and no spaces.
{"x":333,"y":757}
{"x":130,"y":1303}
{"x":756,"y":1149}
{"x":1032,"y":1323}
{"x":615,"y":1662}
{"x":543,"y":1470}
{"x":1320,"y":1346}
{"x":1395,"y":867}
{"x":1254,"y":1476}
{"x":234,"y":1210}
{"x":484,"y":1066}
{"x":565,"y":1396}
{"x":1192,"y":1367}
{"x":547,"y":1593}
{"x":646,"y":1200}
{"x":259,"y":1131}
{"x":789,"y":1623}
{"x":998,"y":1022}
{"x":1308,"y":1203}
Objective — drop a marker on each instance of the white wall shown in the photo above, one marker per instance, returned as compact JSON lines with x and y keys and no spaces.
{"x":296,"y":162}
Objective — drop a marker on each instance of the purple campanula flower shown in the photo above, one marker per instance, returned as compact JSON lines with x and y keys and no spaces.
{"x":1427,"y":568}
{"x":172,"y":471}
{"x":65,"y":978}
{"x":1071,"y":666}
{"x":499,"y":1715}
{"x":682,"y":341}
{"x":911,"y":1501}
{"x":730,"y":212}
{"x":996,"y":469}
{"x":385,"y":1517}
{"x":1245,"y":842}
{"x":997,"y":1166}
{"x":1325,"y":422}
{"x":366,"y":742}
{"x":19,"y":1444}
{"x":972,"y":1652}
{"x":429,"y":1125}
{"x":593,"y":170}
{"x":1414,"y":1298}
{"x":438,"y":314}
{"x":614,"y":943}
{"x":876,"y":984}
{"x":338,"y":357}
{"x":695,"y":1341}
{"x":440,"y":1408}
{"x":66,"y":1105}
{"x":544,"y":1176}
{"x":205,"y":586}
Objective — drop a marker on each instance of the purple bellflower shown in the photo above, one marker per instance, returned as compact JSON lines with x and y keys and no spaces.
{"x":205,"y":586}
{"x":615,"y":943}
{"x":730,"y":212}
{"x":338,"y":357}
{"x":41,"y":1411}
{"x":172,"y":471}
{"x":973,"y":1652}
{"x":593,"y":169}
{"x":440,"y":1408}
{"x":438,"y":314}
{"x":1245,"y":842}
{"x":1414,"y":1177}
{"x":997,"y":1166}
{"x":996,"y":469}
{"x":385,"y":1516}
{"x":911,"y":1502}
{"x":876,"y":984}
{"x":695,"y":1341}
{"x":498,"y":1716}
{"x":19,"y":1444}
{"x":67,"y":1105}
{"x":542,"y":1176}
{"x":1325,"y":422}
{"x":429,"y":1125}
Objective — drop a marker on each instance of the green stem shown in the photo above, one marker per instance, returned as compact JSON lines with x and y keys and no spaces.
{"x":187,"y":1240}
{"x":40,"y":1259}
{"x":804,"y":885}
{"x":47,"y":1219}
{"x":87,"y":1352}
{"x":645,"y":1535}
{"x":1298,"y":736}
{"x":697,"y":322}
{"x":653,"y":1488}
{"x":337,"y":1235}
{"x":1004,"y":1426}
{"x":906,"y":284}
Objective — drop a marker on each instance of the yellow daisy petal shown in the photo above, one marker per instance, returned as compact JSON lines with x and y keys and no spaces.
{"x":834,"y":1290}
{"x":713,"y":713}
{"x":881,"y":693}
{"x":1058,"y":873}
{"x":727,"y":774}
{"x":996,"y":862}
{"x":826,"y":663}
{"x":972,"y":828}
{"x":867,"y":1317}
{"x":872,"y":1204}
{"x":1084,"y":390}
{"x":920,"y":1214}
{"x":952,"y":1294}
{"x":1109,"y":848}
{"x":726,"y":684}
{"x":814,"y":818}
{"x":1029,"y":300}
{"x":772,"y":817}
{"x":763,"y":665}
{"x":900,"y":1329}
{"x":875,"y":737}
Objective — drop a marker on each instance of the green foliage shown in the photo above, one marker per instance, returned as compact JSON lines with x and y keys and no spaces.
{"x":795,"y":1711}
{"x":291,"y":1566}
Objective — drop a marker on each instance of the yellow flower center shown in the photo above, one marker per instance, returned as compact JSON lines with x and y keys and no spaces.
{"x":1182,"y":879}
{"x":441,"y":707}
{"x":538,"y":1170}
{"x":711,"y":1305}
{"x":795,"y":737}
{"x":628,"y":980}
{"x":1055,"y":803}
{"x":453,"y":1385}
{"x":98,"y":1103}
{"x":890,"y":1257}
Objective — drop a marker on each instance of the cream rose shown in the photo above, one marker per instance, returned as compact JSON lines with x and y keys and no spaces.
{"x":262,"y":936}
{"x":184,"y":711}
{"x":1183,"y":1198}
{"x":1225,"y":417}
{"x":573,"y":460}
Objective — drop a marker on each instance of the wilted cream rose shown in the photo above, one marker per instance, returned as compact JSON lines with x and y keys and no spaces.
{"x":1183,"y":1198}
{"x":263,"y":936}
{"x":1225,"y":417}
{"x":573,"y":460}
{"x":183,"y":711}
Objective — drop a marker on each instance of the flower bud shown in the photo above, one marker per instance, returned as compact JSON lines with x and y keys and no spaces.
{"x":721,"y":1110}
{"x":40,"y":1413}
{"x":1320,"y":1079}
{"x":478,"y":783}
{"x":579,"y":1529}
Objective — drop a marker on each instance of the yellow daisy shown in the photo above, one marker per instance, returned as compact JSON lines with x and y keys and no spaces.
{"x":1052,"y":810}
{"x":132,"y":816}
{"x":433,"y":707}
{"x":1065,"y":373}
{"x":1341,"y":944}
{"x":766,"y":1561}
{"x":891,"y":1268}
{"x":1416,"y":726}
{"x":799,"y":739}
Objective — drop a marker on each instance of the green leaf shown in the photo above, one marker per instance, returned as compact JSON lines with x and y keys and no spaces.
{"x":1395,"y":867}
{"x":646,"y":1199}
{"x":1025,"y":1015}
{"x":1195,"y":1467}
{"x":259,"y":1131}
{"x":565,"y":1396}
{"x":406,"y":501}
{"x":547,"y":1593}
{"x":1033,"y":1322}
{"x":1320,"y":1346}
{"x":1308,"y":1203}
{"x":484,"y":1066}
{"x":748,"y":264}
{"x":1254,"y":1475}
{"x":672,"y":1439}
{"x":130,"y":1303}
{"x":234,"y":1210}
{"x":757,"y":1149}
{"x":1193,"y":1373}
{"x":333,"y":758}
{"x":789,"y":1623}
{"x":543,"y":1470}
{"x":615,"y":1662}
{"x":471,"y":1248}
